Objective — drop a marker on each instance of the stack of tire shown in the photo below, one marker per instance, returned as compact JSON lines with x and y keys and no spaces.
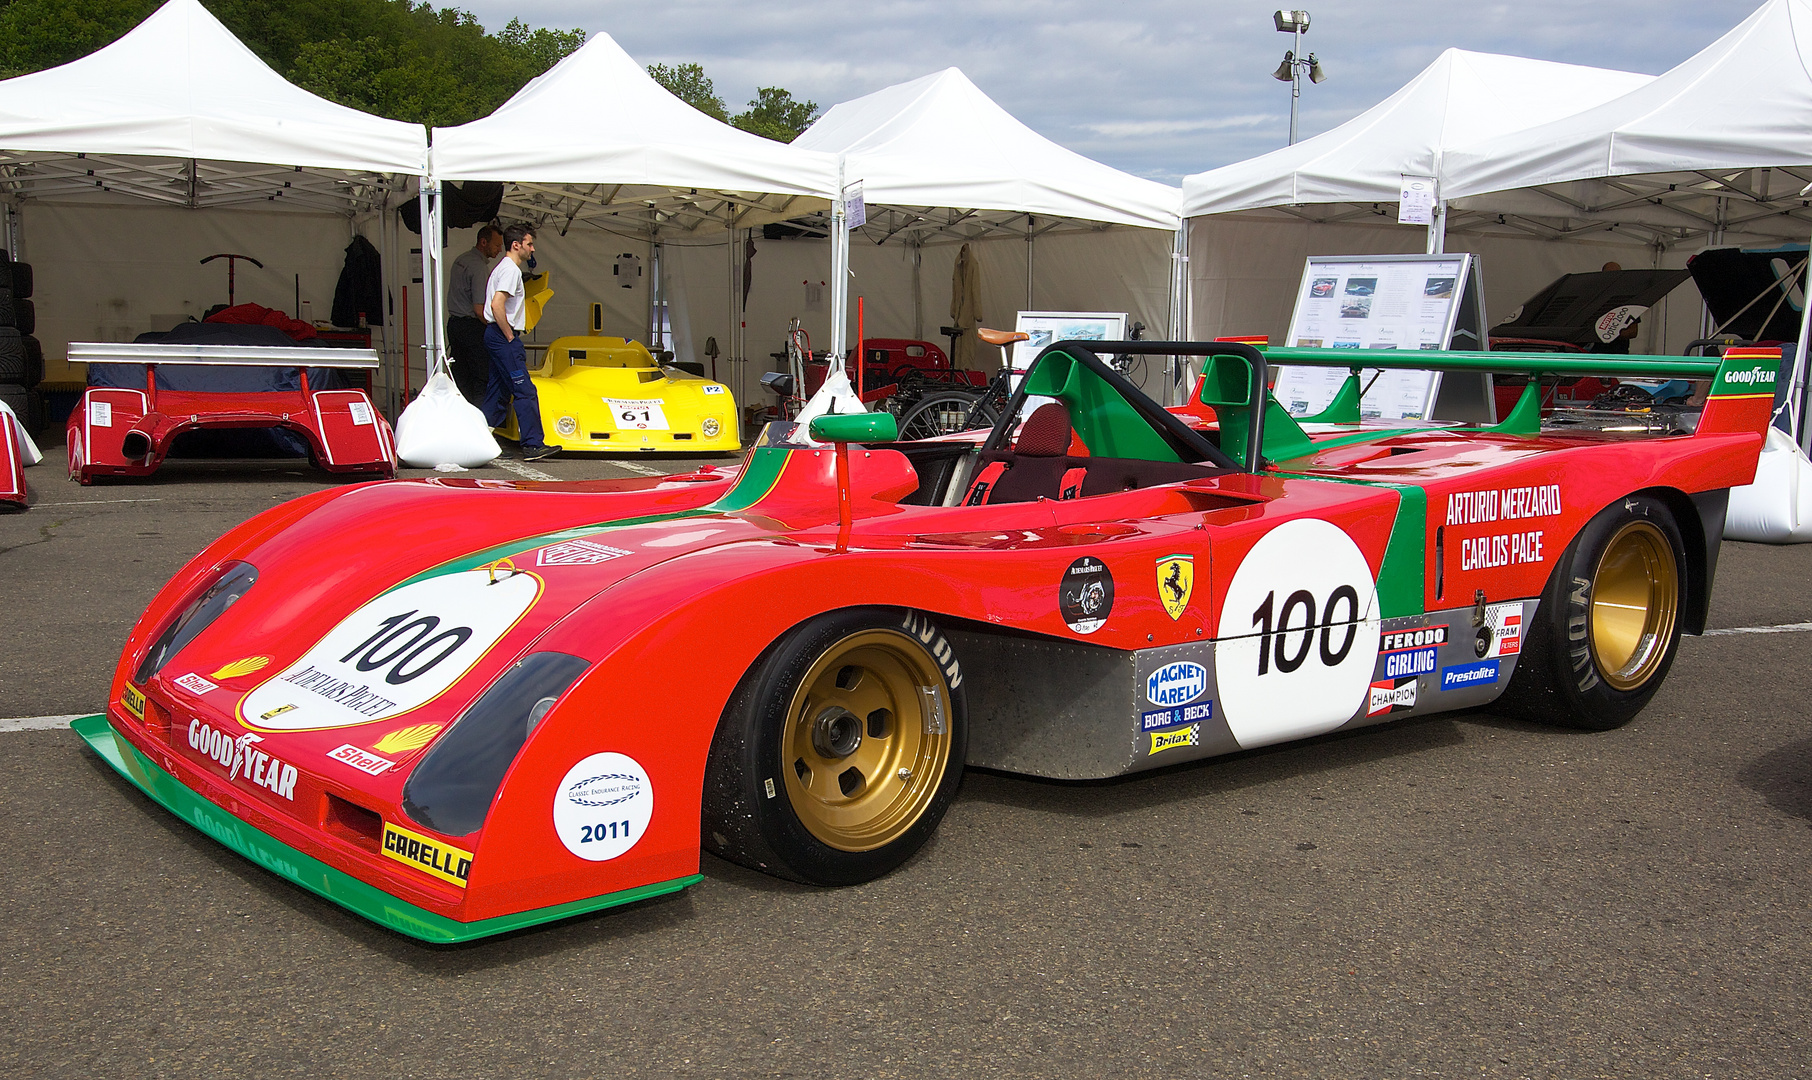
{"x":21,"y":357}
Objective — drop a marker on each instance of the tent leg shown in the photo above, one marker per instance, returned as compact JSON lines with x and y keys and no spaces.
{"x":1437,"y":230}
{"x":1179,"y":304}
{"x":918,"y":289}
{"x":839,"y":276}
{"x":1029,"y":246}
{"x":1796,"y":382}
{"x":431,"y":278}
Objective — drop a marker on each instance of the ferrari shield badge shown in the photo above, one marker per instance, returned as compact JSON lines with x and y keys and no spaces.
{"x":1176,"y":578}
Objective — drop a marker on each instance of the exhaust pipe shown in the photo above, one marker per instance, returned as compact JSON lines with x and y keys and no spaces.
{"x":136,"y":444}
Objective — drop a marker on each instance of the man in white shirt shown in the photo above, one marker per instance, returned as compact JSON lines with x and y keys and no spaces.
{"x":465,"y":314}
{"x":503,"y":316}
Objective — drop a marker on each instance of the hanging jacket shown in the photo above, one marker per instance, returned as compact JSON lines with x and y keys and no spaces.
{"x":361,"y":287}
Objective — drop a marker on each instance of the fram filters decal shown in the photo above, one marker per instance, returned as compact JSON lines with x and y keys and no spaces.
{"x":433,"y":857}
{"x":1183,"y":714}
{"x":1460,"y":676}
{"x":395,"y":654}
{"x":1176,"y":684}
{"x":1505,"y":623}
{"x":1392,"y":695}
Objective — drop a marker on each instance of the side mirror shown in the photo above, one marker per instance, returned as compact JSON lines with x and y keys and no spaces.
{"x":778,"y":383}
{"x":855,"y":427}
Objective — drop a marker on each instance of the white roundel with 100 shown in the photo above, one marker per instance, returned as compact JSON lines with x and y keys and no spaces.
{"x":603,"y":806}
{"x":1298,"y":635}
{"x":395,"y":654}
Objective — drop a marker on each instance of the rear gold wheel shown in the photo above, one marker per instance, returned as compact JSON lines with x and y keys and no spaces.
{"x":1635,"y":604}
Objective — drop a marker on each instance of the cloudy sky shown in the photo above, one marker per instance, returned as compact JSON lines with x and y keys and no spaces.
{"x":1161,"y":88}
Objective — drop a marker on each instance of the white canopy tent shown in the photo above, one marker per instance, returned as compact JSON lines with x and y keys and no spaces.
{"x":1253,"y":222}
{"x":1716,"y":151}
{"x":595,"y":141}
{"x":179,"y":113}
{"x":940,"y":160}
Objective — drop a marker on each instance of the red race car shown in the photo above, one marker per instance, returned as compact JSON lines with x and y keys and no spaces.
{"x":126,"y":430}
{"x":461,"y":707}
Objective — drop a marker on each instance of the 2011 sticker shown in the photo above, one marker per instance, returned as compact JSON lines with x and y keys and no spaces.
{"x":603,"y":805}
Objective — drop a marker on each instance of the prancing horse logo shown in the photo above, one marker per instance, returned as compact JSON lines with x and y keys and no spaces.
{"x":1176,"y":579}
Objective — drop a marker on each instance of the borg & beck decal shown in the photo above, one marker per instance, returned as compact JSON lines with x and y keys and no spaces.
{"x":1085,"y":596}
{"x":603,"y":806}
{"x":1176,"y":685}
{"x":433,"y":857}
{"x":242,"y":760}
{"x":394,"y":654}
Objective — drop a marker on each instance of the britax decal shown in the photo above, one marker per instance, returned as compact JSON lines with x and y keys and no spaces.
{"x":1174,"y":740}
{"x":1176,"y":684}
{"x":242,"y":760}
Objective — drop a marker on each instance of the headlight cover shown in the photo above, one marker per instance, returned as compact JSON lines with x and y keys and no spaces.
{"x":566,"y":426}
{"x":451,"y":790}
{"x":711,"y":427}
{"x":234,"y":579}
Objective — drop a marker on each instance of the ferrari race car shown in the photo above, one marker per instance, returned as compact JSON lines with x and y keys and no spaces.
{"x":462,"y":707}
{"x":608,"y":395}
{"x":127,"y":428}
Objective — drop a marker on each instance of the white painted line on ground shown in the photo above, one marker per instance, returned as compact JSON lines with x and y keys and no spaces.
{"x":38,"y":723}
{"x":1783,"y":628}
{"x":527,"y":472}
{"x":98,"y":502}
{"x":634,"y":468}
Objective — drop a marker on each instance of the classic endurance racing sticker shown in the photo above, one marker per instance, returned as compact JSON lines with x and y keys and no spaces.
{"x":602,"y":806}
{"x":1299,"y":635}
{"x":1086,"y":595}
{"x":395,"y":654}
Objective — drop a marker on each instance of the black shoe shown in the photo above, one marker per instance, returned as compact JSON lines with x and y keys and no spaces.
{"x":537,"y":453}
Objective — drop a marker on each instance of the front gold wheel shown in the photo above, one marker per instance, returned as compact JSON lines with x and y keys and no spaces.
{"x":1635,"y":604}
{"x":867,"y":740}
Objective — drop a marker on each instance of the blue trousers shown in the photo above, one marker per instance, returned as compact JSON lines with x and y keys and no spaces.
{"x":510,"y":380}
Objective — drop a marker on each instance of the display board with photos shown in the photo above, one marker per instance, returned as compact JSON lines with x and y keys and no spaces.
{"x":1048,"y":326}
{"x":1380,"y":302}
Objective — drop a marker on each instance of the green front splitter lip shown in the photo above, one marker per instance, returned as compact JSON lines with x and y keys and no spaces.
{"x":317,"y":877}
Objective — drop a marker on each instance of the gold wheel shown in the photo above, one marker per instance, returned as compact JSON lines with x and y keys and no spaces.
{"x":867,"y":740}
{"x":1635,"y":601}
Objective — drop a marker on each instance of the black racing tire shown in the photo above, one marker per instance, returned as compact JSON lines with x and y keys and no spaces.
{"x":1608,"y":625}
{"x":805,"y":776}
{"x":8,"y":307}
{"x":34,"y":362}
{"x":21,"y":279}
{"x":25,"y":315}
{"x":12,"y":356}
{"x":944,"y":414}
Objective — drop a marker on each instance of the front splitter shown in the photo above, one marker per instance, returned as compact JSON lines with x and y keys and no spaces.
{"x":357,"y":896}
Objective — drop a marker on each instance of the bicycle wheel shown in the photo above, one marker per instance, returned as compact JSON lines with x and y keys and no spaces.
{"x":944,"y":413}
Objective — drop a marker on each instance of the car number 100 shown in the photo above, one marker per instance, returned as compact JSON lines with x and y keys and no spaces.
{"x":1274,"y":640}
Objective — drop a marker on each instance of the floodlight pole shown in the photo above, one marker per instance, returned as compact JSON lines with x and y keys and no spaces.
{"x":1295,"y":73}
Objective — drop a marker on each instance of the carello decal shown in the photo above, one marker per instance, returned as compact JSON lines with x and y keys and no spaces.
{"x":435,"y":857}
{"x":1176,"y":684}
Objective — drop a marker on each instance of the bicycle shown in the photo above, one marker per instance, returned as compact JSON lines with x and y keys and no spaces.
{"x":948,"y":411}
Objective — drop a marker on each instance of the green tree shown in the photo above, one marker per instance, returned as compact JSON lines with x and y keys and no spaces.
{"x":775,"y":115}
{"x":690,"y":84}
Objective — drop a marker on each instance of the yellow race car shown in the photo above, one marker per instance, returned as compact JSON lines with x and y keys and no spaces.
{"x":609,"y":395}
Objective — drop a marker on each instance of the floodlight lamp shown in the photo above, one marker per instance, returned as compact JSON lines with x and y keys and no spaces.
{"x":1284,"y":70}
{"x":1315,"y":73}
{"x":1291,"y":22}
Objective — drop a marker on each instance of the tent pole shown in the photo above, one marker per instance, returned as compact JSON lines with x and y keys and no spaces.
{"x":839,"y":274}
{"x":1437,"y":230}
{"x":431,"y":291}
{"x":384,"y":270}
{"x":918,"y":288}
{"x":1029,"y":246}
{"x":1796,"y":382}
{"x":1179,"y":300}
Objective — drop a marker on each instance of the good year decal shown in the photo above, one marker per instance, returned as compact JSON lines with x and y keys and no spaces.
{"x":395,"y":654}
{"x":1299,"y":635}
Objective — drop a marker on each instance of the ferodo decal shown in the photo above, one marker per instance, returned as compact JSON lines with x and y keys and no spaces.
{"x":1409,"y":652}
{"x":1085,"y":596}
{"x":602,"y":806}
{"x":1299,"y":635}
{"x":395,"y":654}
{"x":1176,"y":580}
{"x":436,"y":858}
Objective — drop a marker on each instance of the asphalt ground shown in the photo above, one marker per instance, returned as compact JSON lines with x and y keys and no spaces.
{"x":1458,"y":896}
